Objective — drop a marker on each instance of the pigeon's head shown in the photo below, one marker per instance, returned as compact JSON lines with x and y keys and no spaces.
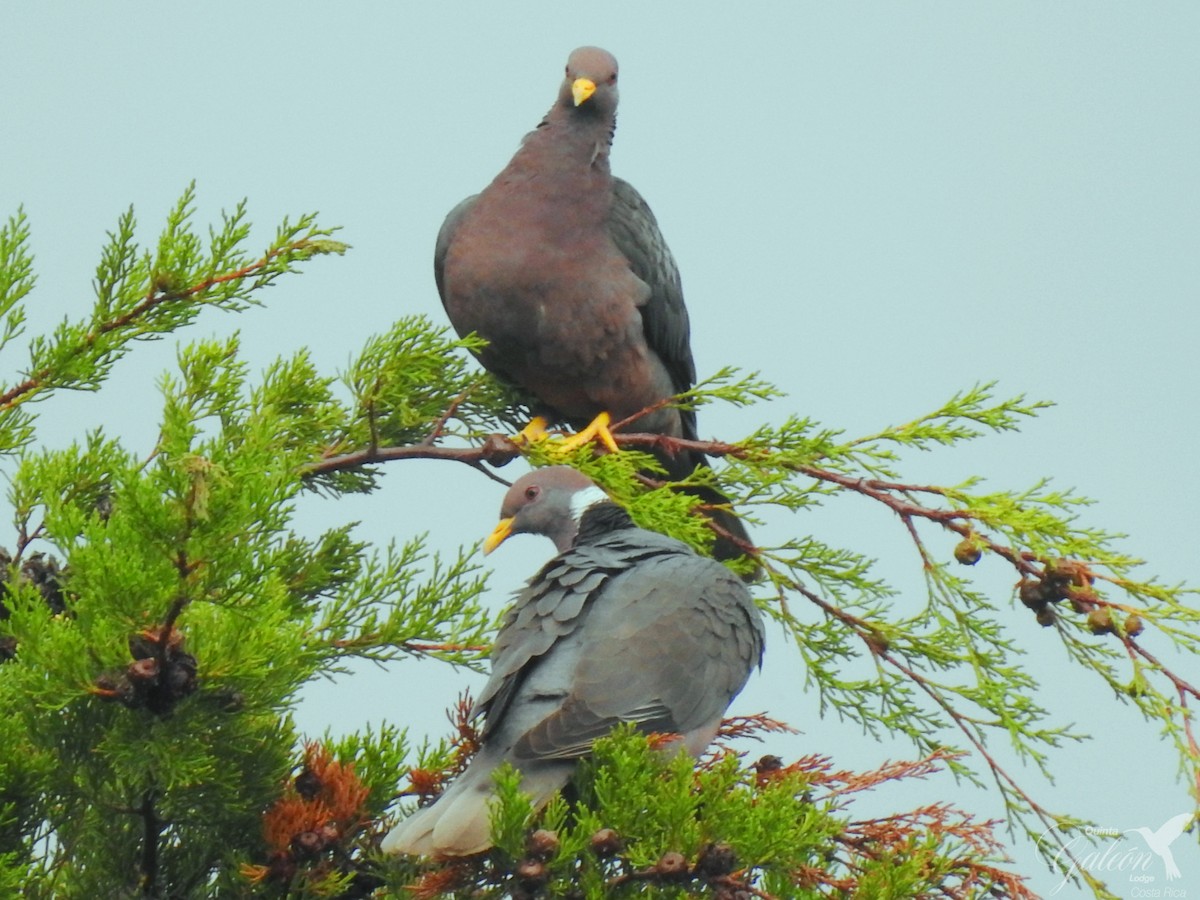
{"x":590,"y":84}
{"x":548,"y":501}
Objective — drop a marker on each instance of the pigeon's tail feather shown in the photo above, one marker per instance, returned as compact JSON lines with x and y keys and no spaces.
{"x":455,"y":824}
{"x":410,"y":836}
{"x":458,"y":823}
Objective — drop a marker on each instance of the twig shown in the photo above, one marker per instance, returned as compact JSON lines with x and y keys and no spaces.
{"x":152,"y":829}
{"x":734,"y":886}
{"x":418,"y":647}
{"x":998,"y":772}
{"x":878,"y":649}
{"x":496,"y":450}
{"x":440,"y":425}
{"x":1183,"y":688}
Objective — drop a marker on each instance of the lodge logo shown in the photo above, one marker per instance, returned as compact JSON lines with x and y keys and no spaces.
{"x":1138,"y":859}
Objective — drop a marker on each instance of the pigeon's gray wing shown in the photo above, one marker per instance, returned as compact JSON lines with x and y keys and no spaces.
{"x":634,"y":230}
{"x":547,"y":610}
{"x":666,"y":647}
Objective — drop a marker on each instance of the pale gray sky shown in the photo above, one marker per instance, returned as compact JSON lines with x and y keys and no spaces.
{"x":873,"y":205}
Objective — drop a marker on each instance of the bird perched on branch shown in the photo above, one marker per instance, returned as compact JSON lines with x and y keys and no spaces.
{"x":563,"y":269}
{"x":623,"y":625}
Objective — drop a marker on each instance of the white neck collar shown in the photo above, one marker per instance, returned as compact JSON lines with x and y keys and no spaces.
{"x":585,"y":500}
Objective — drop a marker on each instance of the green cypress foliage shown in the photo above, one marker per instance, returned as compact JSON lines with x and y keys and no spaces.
{"x":160,"y":613}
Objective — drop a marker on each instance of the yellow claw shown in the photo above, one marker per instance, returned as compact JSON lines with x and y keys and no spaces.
{"x":498,"y":536}
{"x":597,"y":430}
{"x":581,"y":89}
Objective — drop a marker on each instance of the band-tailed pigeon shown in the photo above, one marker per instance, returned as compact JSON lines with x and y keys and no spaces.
{"x":623,"y":625}
{"x":562,"y":268}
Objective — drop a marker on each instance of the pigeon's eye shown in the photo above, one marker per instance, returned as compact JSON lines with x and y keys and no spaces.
{"x":531,"y":492}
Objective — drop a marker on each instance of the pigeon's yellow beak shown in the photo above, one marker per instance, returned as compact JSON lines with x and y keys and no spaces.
{"x":498,"y":536}
{"x":581,"y":89}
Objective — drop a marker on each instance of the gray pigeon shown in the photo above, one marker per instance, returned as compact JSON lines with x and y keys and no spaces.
{"x":563,"y":269}
{"x":623,"y":625}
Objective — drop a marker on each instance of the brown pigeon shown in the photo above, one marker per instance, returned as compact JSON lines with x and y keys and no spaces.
{"x":562,"y":268}
{"x":624,"y":625}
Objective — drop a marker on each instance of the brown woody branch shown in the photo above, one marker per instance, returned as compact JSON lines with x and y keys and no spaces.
{"x":497,"y":450}
{"x":367,"y":640}
{"x":152,"y":827}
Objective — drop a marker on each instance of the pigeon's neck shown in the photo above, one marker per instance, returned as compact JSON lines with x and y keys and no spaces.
{"x":601,"y":519}
{"x":572,"y":140}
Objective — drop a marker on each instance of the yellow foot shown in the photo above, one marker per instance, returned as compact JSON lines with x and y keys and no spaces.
{"x":534,"y":431}
{"x":597,"y":430}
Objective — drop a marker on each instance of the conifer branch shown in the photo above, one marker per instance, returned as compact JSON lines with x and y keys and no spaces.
{"x":200,"y":537}
{"x":141,"y":297}
{"x":38,"y":380}
{"x":154,"y":298}
{"x":152,"y":830}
